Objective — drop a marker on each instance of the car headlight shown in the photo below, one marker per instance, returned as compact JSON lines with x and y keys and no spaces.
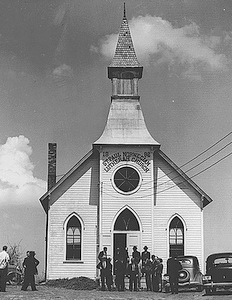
{"x":184,"y":275}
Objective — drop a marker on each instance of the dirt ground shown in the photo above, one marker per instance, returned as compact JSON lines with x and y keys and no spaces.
{"x":50,"y":293}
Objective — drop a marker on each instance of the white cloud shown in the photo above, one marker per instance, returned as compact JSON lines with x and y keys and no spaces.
{"x":17,"y":182}
{"x":158,"y":41}
{"x":63,"y":70}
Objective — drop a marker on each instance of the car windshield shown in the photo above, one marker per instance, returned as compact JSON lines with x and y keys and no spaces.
{"x":185,"y":261}
{"x":223,"y":260}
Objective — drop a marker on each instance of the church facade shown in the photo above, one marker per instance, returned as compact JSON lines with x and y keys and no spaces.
{"x":125,"y":192}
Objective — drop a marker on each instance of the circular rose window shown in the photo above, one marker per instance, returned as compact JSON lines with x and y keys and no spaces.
{"x":126,"y":179}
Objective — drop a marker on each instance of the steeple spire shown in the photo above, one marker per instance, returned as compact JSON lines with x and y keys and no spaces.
{"x":124,"y":54}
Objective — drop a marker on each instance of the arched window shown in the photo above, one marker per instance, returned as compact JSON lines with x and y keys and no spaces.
{"x":126,"y":221}
{"x":176,"y":237}
{"x":73,"y":239}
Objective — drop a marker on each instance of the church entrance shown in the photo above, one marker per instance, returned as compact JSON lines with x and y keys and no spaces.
{"x":126,"y":232}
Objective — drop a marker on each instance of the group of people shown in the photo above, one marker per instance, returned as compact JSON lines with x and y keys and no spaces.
{"x":140,"y":264}
{"x":30,"y":264}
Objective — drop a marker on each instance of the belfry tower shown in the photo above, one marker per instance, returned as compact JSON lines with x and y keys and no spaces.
{"x":126,"y":156}
{"x":125,"y":124}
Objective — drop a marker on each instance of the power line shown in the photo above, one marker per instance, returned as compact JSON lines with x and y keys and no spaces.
{"x":196,"y":164}
{"x":198,"y":172}
{"x":198,"y":155}
{"x":186,"y":180}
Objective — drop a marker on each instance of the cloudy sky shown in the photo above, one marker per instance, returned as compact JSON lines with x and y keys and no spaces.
{"x":54,"y":88}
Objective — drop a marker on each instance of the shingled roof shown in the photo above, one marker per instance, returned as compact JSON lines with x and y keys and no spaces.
{"x":125,"y":54}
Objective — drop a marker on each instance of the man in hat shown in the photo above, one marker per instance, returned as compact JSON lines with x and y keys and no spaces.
{"x":145,"y":255}
{"x":30,"y":264}
{"x":137,"y":260}
{"x":145,"y":266}
{"x":136,"y":255}
{"x":173,"y":268}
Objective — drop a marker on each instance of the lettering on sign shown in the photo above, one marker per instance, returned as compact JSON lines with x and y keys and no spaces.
{"x":138,"y":158}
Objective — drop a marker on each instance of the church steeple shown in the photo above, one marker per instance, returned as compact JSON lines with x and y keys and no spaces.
{"x":125,"y":54}
{"x":125,"y":123}
{"x":125,"y":70}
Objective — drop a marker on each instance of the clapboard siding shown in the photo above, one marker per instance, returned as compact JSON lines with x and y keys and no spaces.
{"x":76,"y":199}
{"x":171,"y":200}
{"x":162,"y":195}
{"x":140,"y":202}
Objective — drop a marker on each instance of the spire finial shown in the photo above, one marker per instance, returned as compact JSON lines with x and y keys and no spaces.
{"x":124,"y":14}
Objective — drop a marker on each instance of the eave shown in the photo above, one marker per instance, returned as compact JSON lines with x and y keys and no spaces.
{"x":45,"y":198}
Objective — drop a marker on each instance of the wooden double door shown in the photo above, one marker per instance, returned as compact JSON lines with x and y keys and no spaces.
{"x":126,"y":240}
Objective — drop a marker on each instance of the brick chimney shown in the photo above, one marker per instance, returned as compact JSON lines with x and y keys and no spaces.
{"x":51,"y":165}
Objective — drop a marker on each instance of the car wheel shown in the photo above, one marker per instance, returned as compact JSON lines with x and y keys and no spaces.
{"x":166,"y":289}
{"x":210,"y":291}
{"x":14,"y":278}
{"x":200,"y":288}
{"x":214,"y":290}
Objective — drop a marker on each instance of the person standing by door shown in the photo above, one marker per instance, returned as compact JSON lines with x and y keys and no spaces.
{"x":154,"y":277}
{"x":4,"y":260}
{"x":147,"y":271}
{"x":137,"y":260}
{"x":133,"y":273}
{"x":145,"y":255}
{"x":105,"y":268}
{"x":159,"y":271}
{"x":102,"y":256}
{"x":136,"y":255}
{"x":119,"y":273}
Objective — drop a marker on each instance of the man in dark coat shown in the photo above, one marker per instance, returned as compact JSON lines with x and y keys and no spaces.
{"x":133,"y":272}
{"x":136,"y":255}
{"x":154,"y":278}
{"x":145,"y":255}
{"x":30,"y":264}
{"x":119,"y":274}
{"x":105,"y":268}
{"x":147,"y":270}
{"x":159,"y":271}
{"x":173,"y":268}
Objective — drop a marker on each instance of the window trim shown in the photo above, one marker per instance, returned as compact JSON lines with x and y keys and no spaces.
{"x":74,"y":214}
{"x":120,"y":191}
{"x":133,"y":212}
{"x":168,"y":233}
{"x":126,"y":230}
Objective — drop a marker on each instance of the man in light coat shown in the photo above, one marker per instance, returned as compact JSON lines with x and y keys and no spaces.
{"x":4,"y":259}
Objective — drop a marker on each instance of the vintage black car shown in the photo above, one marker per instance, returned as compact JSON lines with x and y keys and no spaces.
{"x":218,"y":272}
{"x":189,"y":277}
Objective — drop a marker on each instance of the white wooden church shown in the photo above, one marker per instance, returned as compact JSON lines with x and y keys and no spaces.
{"x":124,"y":192}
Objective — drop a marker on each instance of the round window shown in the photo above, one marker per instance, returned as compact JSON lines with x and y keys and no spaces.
{"x":126,"y":179}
